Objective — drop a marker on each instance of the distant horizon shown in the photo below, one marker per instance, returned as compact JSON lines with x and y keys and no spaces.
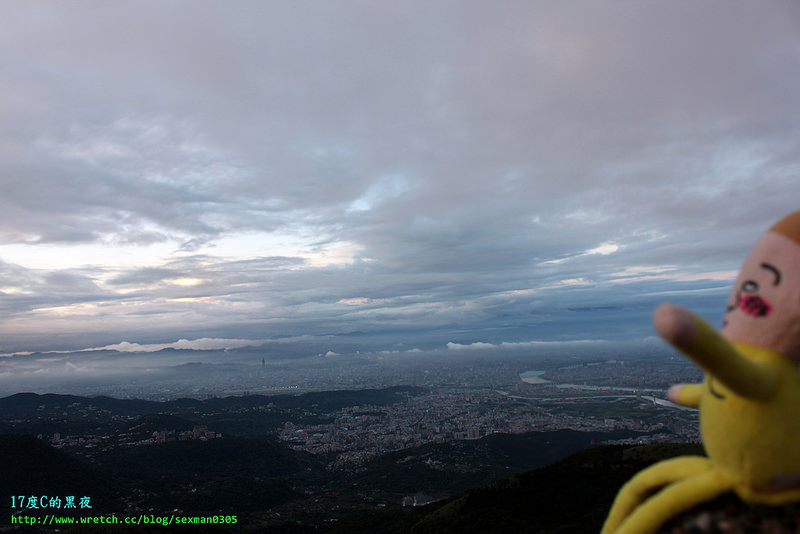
{"x":200,"y":373}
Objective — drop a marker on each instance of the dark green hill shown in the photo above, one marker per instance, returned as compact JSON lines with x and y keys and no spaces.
{"x":218,"y":456}
{"x":571,"y":496}
{"x":28,"y":466}
{"x":248,"y":477}
{"x":444,"y":469}
{"x":150,"y":423}
{"x":231,"y":476}
{"x":28,"y":404}
{"x":234,"y":475}
{"x":250,"y":416}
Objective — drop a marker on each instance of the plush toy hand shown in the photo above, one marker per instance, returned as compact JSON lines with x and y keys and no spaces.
{"x":676,"y":325}
{"x":686,"y":394}
{"x":714,"y":354}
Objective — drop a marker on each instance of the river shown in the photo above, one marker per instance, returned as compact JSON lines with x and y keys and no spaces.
{"x":535,"y":377}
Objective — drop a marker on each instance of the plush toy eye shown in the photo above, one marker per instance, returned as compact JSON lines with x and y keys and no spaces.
{"x":749,"y":286}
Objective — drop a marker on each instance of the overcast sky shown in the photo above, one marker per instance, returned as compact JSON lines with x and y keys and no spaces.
{"x":410,"y":173}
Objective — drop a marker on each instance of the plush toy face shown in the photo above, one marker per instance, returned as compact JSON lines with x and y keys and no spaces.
{"x":764,"y":306}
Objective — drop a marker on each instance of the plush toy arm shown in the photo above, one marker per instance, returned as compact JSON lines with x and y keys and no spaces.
{"x":649,"y":481}
{"x":713,"y":353}
{"x":674,"y":499}
{"x":686,"y":394}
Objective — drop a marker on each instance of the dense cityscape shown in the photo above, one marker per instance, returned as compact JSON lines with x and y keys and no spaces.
{"x":362,"y":432}
{"x":467,"y":401}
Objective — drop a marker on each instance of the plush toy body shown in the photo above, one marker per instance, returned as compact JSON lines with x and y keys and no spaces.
{"x":749,"y":401}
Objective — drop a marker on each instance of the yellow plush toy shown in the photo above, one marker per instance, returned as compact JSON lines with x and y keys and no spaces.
{"x":749,"y":401}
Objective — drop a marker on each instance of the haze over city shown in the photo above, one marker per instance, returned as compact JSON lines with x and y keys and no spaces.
{"x":345,"y":177}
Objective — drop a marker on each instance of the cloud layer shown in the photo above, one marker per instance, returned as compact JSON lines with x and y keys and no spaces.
{"x":417,"y":173}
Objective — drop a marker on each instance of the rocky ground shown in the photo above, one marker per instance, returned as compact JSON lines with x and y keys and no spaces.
{"x":729,"y":515}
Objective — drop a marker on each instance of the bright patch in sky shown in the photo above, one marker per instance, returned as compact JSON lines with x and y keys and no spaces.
{"x":604,"y":249}
{"x":51,"y":256}
{"x":301,"y":244}
{"x":384,"y":190}
{"x":187,"y":282}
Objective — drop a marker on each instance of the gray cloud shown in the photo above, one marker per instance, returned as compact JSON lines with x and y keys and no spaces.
{"x":448,"y":168}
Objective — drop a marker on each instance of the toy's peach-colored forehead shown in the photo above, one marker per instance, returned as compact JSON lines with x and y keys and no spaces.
{"x":789,"y":226}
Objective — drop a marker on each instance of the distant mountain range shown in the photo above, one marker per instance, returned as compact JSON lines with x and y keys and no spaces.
{"x":27,"y":404}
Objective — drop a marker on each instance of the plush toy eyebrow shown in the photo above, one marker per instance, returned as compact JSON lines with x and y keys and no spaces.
{"x":775,"y":271}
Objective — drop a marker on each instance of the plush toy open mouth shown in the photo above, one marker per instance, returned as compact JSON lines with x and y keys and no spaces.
{"x":755,"y":306}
